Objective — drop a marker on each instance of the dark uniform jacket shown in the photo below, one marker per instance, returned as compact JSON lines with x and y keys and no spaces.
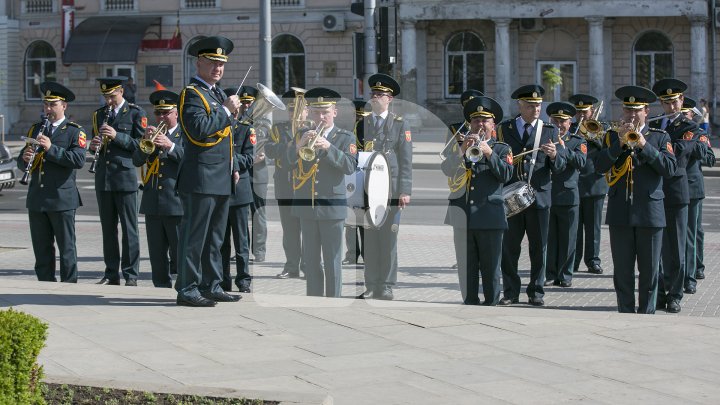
{"x":52,"y":186}
{"x":160,"y":196}
{"x":508,"y":132}
{"x":591,"y":183}
{"x":684,"y":147}
{"x":395,"y":141}
{"x":206,"y":167}
{"x":277,"y":148}
{"x":328,"y":201}
{"x":650,"y":165}
{"x":479,"y":203}
{"x":699,"y":156}
{"x":115,"y":170}
{"x":565,"y":189}
{"x":243,"y":138}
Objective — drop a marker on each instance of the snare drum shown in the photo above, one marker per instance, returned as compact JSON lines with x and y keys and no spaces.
{"x":518,"y":196}
{"x":368,"y":191}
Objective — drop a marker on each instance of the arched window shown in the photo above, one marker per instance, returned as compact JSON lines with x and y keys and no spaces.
{"x":464,"y":64}
{"x":288,"y":62}
{"x":189,"y":69}
{"x":40,"y":61}
{"x":653,"y":59}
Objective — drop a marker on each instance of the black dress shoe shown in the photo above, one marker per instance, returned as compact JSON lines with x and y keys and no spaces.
{"x":537,"y":302}
{"x":509,"y":301}
{"x":385,"y":294}
{"x":700,"y":275}
{"x":195,"y":301}
{"x":566,"y":284}
{"x":673,"y":307}
{"x":244,"y":289}
{"x":131,"y":283}
{"x":660,"y":302}
{"x":221,"y":296}
{"x":690,"y":290}
{"x":368,"y":294}
{"x":107,"y":281}
{"x":595,"y":269}
{"x":284,"y":275}
{"x":548,"y":282}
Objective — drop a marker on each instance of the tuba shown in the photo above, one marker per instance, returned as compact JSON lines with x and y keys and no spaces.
{"x":300,"y":104}
{"x":147,"y":145}
{"x":266,"y":102}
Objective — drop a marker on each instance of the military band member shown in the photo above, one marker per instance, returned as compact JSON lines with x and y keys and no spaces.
{"x":52,"y":195}
{"x":323,"y":156}
{"x":160,"y":202}
{"x":391,"y":136}
{"x":277,"y":147}
{"x":684,"y":135}
{"x":478,"y":211}
{"x":207,"y":176}
{"x":118,"y":127}
{"x":565,"y":199}
{"x":237,"y":230}
{"x":355,"y":235}
{"x":258,"y":172}
{"x":637,"y":158}
{"x":522,"y":133}
{"x":694,"y":269}
{"x":592,"y":188}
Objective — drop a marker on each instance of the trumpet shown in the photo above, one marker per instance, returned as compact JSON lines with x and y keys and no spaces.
{"x":96,"y":156}
{"x":36,"y":149}
{"x":307,"y":152}
{"x":631,"y":137}
{"x":456,"y":137}
{"x":473,"y":153}
{"x":147,"y":145}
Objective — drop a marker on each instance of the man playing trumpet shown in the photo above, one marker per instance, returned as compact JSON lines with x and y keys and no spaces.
{"x":161,"y":151}
{"x":637,"y":158}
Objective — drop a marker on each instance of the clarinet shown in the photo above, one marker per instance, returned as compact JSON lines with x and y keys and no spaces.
{"x":26,"y":176}
{"x":96,"y":156}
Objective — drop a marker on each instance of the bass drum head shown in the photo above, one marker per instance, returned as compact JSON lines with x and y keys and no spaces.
{"x":377,"y":189}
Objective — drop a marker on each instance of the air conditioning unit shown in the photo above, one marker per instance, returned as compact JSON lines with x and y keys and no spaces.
{"x":531,"y":24}
{"x":334,"y":22}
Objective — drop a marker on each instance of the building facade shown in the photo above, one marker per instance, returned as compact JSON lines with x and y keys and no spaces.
{"x":443,"y":47}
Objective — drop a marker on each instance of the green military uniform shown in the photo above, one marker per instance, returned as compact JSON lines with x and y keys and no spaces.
{"x":116,"y":184}
{"x":160,"y":201}
{"x":53,"y":196}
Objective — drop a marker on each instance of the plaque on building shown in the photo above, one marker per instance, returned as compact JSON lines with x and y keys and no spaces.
{"x":163,"y":74}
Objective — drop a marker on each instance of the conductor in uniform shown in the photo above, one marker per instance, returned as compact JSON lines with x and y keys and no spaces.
{"x":161,"y":152}
{"x":207,"y":176}
{"x":525,"y":133}
{"x":52,"y":195}
{"x":565,"y":198}
{"x":591,"y":186}
{"x":118,"y":127}
{"x":638,"y":158}
{"x":323,"y":156}
{"x":478,"y":211}
{"x":387,"y":133}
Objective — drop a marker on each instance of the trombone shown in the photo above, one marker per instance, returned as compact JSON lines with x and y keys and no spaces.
{"x":147,"y":145}
{"x":592,"y":128}
{"x":299,"y":105}
{"x":453,"y":138}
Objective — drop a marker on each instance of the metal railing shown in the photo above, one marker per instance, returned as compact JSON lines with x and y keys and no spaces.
{"x":287,"y":3}
{"x":37,"y":6}
{"x":119,"y":5}
{"x":199,"y":4}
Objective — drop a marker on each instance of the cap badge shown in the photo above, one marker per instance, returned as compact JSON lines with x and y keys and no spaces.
{"x":631,"y":99}
{"x":162,"y":102}
{"x":244,"y":94}
{"x":534,"y":94}
{"x":669,"y":91}
{"x":561,"y":112}
{"x":219,"y":51}
{"x":320,"y":99}
{"x":48,"y":93}
{"x":480,"y":108}
{"x":103,"y":86}
{"x":581,"y":104}
{"x":378,"y":84}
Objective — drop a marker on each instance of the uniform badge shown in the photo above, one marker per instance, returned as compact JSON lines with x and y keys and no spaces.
{"x":669,"y":148}
{"x":143,"y":122}
{"x":705,"y":140}
{"x":509,"y":158}
{"x":253,"y":137}
{"x":408,"y":136}
{"x":82,"y":140}
{"x":583,"y":148}
{"x":688,"y":136}
{"x":353,"y":148}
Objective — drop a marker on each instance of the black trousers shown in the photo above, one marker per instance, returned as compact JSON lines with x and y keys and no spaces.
{"x":237,"y":230}
{"x":562,"y":242}
{"x":162,"y":236}
{"x":114,"y":207}
{"x":535,"y":222}
{"x":460,"y":240}
{"x":323,"y":237}
{"x":589,"y":231}
{"x":672,"y":268}
{"x":627,"y":245}
{"x":691,"y":244}
{"x":483,"y":258}
{"x":380,"y":255}
{"x":354,"y":242}
{"x":202,"y":231}
{"x":291,"y":240}
{"x":47,"y":227}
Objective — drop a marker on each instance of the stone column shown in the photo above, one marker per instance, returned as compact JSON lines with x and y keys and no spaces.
{"x":698,"y":58}
{"x":502,"y":62}
{"x":596,"y":57}
{"x":409,"y":61}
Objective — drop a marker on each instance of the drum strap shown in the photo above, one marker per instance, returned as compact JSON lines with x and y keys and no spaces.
{"x":538,"y":135}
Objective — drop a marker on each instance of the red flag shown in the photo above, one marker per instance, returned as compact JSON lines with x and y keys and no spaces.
{"x":158,"y":85}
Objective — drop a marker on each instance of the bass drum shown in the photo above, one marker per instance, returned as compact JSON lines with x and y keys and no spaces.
{"x":368,"y":191}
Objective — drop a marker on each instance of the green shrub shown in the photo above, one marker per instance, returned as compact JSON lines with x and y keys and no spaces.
{"x":22,"y":336}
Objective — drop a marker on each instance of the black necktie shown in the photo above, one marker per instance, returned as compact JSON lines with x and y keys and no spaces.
{"x":526,"y":133}
{"x":217,"y":93}
{"x":111,"y":116}
{"x":378,"y":123}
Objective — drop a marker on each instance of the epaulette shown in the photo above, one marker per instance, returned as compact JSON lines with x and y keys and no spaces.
{"x":190,"y":86}
{"x":135,"y":106}
{"x":548,"y":125}
{"x":398,"y":118}
{"x":500,"y":143}
{"x":576,"y":136}
{"x":503,"y":122}
{"x":658,"y":130}
{"x":246,"y":122}
{"x":346,"y":132}
{"x":74,"y":124}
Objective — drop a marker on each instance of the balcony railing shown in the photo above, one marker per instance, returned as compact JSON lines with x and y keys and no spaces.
{"x":38,"y":6}
{"x":287,"y":3}
{"x":195,"y":4}
{"x":119,"y":5}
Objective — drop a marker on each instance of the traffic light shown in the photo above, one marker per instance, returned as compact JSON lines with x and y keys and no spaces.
{"x":387,"y":35}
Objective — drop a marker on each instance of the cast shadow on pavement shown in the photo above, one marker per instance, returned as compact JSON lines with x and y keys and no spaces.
{"x":9,"y":300}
